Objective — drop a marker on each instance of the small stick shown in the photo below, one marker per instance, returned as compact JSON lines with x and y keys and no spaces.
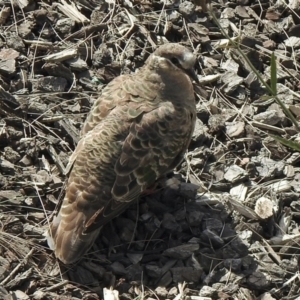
{"x":56,"y":286}
{"x":15,"y":270}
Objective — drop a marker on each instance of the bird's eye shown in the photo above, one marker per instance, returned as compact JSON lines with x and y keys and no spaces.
{"x":175,"y":61}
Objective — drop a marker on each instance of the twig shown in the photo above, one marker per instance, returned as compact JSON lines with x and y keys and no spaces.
{"x":56,"y":286}
{"x":16,"y":269}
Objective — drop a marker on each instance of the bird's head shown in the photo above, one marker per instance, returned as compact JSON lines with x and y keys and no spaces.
{"x":173,"y":56}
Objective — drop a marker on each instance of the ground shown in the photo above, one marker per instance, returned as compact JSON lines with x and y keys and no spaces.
{"x":224,"y":224}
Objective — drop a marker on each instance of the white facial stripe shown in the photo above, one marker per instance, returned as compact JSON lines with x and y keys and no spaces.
{"x":188,"y":60}
{"x":159,"y":58}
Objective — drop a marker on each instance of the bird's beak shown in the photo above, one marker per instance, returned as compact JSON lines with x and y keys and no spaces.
{"x":192,"y":74}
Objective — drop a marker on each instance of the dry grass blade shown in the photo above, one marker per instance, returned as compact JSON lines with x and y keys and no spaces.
{"x":19,"y":247}
{"x":273,"y":74}
{"x":16,"y":269}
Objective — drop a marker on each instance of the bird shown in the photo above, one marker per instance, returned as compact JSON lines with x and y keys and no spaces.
{"x":138,"y":129}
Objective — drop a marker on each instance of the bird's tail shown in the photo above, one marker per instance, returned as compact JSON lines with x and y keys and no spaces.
{"x":69,"y":245}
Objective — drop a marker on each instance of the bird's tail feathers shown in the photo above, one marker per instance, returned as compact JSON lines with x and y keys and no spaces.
{"x":69,"y":245}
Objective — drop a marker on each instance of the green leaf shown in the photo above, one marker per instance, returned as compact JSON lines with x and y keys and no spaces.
{"x":265,"y":97}
{"x":273,"y":75}
{"x":271,"y":88}
{"x":291,"y":144}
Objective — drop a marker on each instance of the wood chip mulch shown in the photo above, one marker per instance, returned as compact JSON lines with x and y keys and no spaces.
{"x":225,"y":224}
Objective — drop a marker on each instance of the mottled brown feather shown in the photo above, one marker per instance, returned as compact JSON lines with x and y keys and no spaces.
{"x":137,"y":130}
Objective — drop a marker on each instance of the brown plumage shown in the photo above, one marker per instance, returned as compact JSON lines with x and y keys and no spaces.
{"x":137,"y":130}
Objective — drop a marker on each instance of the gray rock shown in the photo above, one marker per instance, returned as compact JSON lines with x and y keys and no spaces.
{"x":194,"y":218}
{"x":50,"y":84}
{"x":169,"y":223}
{"x":182,"y":251}
{"x":235,"y":174}
{"x":6,"y":167}
{"x":210,"y":237}
{"x":188,"y":274}
{"x":270,"y":117}
{"x":11,"y":155}
{"x":153,"y":271}
{"x":207,"y":291}
{"x":186,"y":8}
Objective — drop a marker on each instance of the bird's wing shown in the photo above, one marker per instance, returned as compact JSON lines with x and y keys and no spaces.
{"x":114,"y":163}
{"x":121,"y":90}
{"x":111,"y":95}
